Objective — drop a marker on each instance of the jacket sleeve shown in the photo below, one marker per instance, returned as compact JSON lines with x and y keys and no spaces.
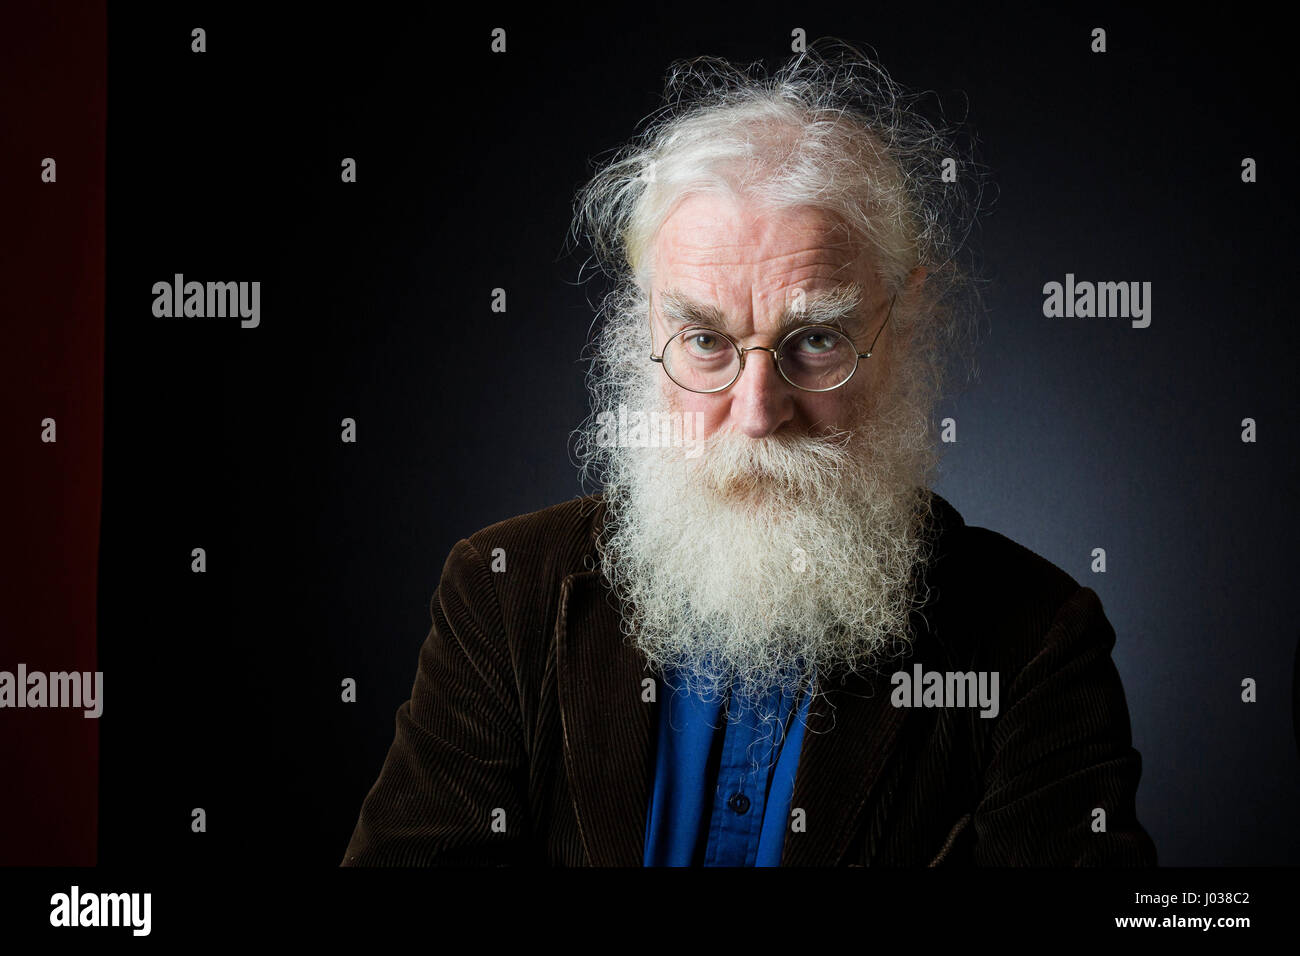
{"x":453,"y":788}
{"x":1061,"y":752}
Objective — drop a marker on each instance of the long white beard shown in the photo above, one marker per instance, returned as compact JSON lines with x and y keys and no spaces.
{"x":766,"y":562}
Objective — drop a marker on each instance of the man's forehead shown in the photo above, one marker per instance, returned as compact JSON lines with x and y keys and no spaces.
{"x":705,"y":231}
{"x":713,"y":247}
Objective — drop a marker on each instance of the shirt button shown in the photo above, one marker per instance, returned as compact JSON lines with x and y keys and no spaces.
{"x":738,"y":802}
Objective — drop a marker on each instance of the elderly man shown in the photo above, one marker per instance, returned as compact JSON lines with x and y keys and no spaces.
{"x":766,"y":641}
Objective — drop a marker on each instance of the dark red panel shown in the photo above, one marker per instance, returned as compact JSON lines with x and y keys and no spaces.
{"x":52,"y":104}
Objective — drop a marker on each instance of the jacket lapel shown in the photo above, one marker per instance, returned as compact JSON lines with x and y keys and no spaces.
{"x":852,"y":731}
{"x":607,"y":739}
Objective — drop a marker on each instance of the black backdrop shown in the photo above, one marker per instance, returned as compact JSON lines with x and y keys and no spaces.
{"x":223,"y":688}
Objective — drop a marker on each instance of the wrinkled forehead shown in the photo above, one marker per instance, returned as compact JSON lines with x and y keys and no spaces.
{"x":719,"y":242}
{"x":716,"y":258}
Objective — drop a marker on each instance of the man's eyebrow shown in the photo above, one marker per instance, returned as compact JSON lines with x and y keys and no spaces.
{"x":836,"y":307}
{"x":678,"y":309}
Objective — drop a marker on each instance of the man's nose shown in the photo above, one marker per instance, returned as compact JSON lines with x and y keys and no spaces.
{"x":761,"y":400}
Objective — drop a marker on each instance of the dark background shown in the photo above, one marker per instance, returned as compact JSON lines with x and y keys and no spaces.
{"x":223,"y":689}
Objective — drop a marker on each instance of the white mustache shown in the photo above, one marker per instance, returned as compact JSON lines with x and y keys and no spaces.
{"x":786,"y":463}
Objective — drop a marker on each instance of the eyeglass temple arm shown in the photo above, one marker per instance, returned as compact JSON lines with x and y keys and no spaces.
{"x":872,"y":347}
{"x":649,"y":318}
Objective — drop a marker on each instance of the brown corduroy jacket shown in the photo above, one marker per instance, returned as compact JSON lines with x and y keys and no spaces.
{"x":528,"y":739}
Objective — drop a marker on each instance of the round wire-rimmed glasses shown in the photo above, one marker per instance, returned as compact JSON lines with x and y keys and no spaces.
{"x":812,"y":358}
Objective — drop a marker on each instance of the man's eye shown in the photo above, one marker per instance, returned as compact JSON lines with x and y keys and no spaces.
{"x":816,"y":343}
{"x":703,"y":343}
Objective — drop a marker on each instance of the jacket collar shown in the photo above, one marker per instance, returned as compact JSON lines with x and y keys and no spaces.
{"x":609,"y":741}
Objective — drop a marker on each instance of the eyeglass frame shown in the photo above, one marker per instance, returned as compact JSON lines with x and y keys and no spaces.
{"x":742,"y":349}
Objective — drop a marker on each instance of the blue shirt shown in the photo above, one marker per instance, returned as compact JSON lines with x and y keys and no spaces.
{"x":724,"y":777}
